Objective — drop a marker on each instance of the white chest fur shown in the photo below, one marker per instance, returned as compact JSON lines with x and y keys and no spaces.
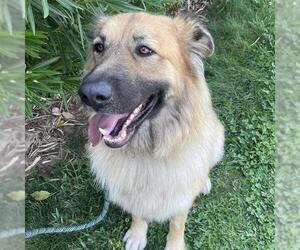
{"x":156,"y":189}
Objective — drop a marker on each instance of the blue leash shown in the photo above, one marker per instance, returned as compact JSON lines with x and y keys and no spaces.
{"x":66,"y":229}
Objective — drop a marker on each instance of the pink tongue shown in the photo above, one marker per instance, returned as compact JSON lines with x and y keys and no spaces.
{"x":106,"y":122}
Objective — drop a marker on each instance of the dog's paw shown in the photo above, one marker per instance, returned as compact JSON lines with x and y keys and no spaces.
{"x":175,"y":246}
{"x":135,"y":240}
{"x":207,"y":187}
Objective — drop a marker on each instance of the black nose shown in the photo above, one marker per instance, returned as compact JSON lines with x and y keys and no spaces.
{"x":95,"y":94}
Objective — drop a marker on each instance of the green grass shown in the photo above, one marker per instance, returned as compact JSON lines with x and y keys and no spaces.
{"x":238,"y":214}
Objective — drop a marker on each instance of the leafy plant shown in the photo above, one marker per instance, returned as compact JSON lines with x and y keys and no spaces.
{"x":11,"y":55}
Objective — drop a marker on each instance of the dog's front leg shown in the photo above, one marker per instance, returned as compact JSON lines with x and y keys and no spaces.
{"x":136,"y":236}
{"x":175,"y":240}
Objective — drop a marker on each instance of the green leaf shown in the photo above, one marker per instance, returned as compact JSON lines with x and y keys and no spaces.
{"x":46,"y":63}
{"x":80,"y":30}
{"x":45,"y":8}
{"x":56,"y":13}
{"x":31,"y":18}
{"x":122,"y":6}
{"x":40,"y":195}
{"x":69,"y":4}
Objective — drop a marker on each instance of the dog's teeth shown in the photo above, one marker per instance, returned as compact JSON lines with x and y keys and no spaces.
{"x":131,"y":117}
{"x":127,"y":122}
{"x":138,"y":109}
{"x":123,"y":134}
{"x":107,"y":138}
{"x":102,"y":131}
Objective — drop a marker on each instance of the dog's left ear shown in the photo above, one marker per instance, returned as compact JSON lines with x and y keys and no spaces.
{"x":195,"y":34}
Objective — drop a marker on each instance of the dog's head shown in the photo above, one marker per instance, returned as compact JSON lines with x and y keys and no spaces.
{"x":136,"y":64}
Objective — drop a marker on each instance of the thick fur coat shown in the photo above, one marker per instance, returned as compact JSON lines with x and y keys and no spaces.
{"x":160,"y":172}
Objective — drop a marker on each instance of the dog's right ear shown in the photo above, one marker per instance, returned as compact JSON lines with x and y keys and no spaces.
{"x":195,"y":35}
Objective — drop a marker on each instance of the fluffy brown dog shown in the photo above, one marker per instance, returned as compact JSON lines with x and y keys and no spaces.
{"x":153,"y":133}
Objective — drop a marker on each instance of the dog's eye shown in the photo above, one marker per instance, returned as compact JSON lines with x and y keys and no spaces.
{"x":98,"y":47}
{"x":144,"y":51}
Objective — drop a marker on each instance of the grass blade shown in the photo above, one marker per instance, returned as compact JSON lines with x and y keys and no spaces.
{"x":30,"y":18}
{"x":80,"y":30}
{"x":46,"y":63}
{"x":45,"y":8}
{"x":69,"y":4}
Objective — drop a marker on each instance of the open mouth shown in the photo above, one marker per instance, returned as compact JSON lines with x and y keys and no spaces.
{"x":117,"y":129}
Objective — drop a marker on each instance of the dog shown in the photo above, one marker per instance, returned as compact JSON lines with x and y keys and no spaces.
{"x":153,"y":133}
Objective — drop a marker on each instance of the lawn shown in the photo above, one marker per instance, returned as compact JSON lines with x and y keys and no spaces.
{"x":238,"y":214}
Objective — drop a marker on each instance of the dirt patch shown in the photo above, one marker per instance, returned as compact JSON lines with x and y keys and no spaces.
{"x":197,"y":6}
{"x":48,"y":131}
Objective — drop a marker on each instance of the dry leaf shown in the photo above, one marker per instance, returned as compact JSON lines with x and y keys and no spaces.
{"x":40,"y":195}
{"x":68,"y":115}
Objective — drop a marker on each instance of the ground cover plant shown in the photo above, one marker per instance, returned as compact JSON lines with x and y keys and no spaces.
{"x":238,"y":214}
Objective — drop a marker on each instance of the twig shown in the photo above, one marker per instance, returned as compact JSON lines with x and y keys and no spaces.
{"x":188,"y":2}
{"x":255,"y":41}
{"x":33,"y":164}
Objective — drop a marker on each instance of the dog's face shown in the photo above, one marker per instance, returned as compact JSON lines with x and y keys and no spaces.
{"x":137,"y":62}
